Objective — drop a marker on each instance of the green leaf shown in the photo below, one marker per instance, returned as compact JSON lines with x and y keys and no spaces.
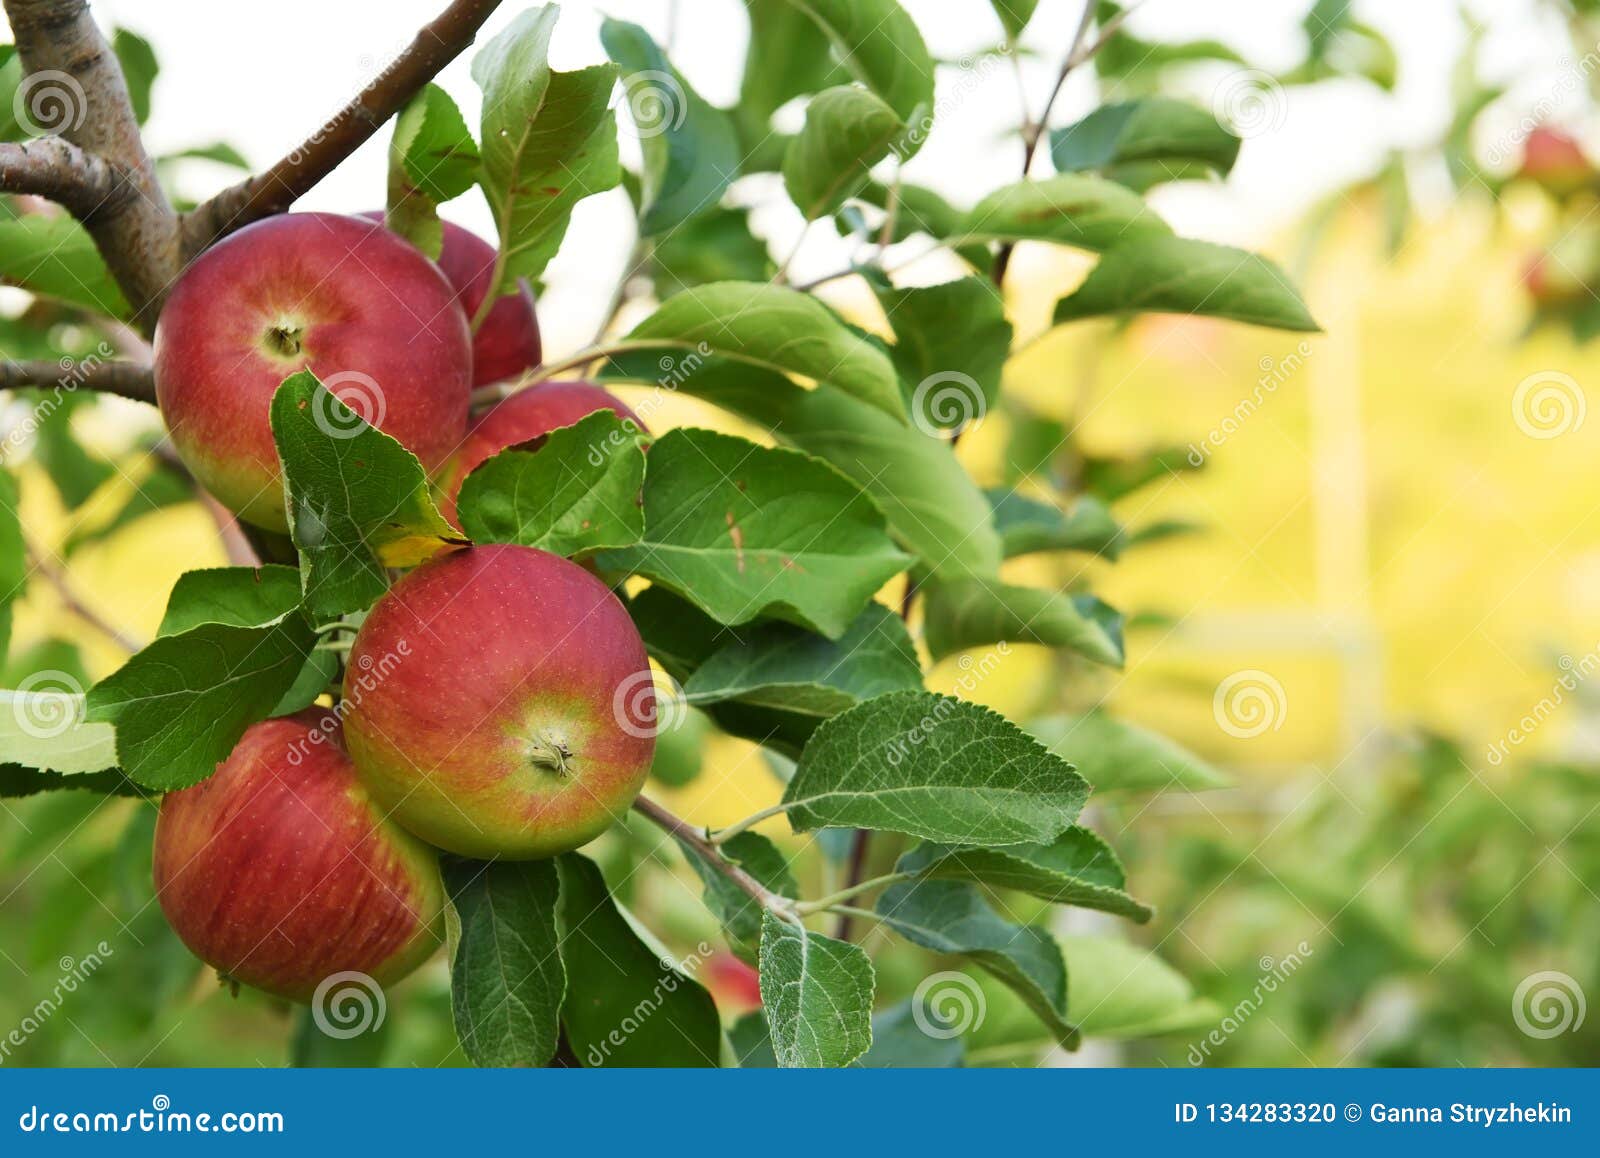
{"x":1124,"y":990}
{"x":1027,"y":525}
{"x":737,"y":910}
{"x":789,"y":56}
{"x":578,"y":492}
{"x":182,"y":703}
{"x":248,"y":597}
{"x":847,"y":131}
{"x":310,"y":1048}
{"x":1077,"y":868}
{"x":13,"y":557}
{"x":817,"y":994}
{"x":626,"y":1003}
{"x":156,"y":488}
{"x":238,"y":596}
{"x":1175,"y":275}
{"x":715,"y":246}
{"x":952,"y":917}
{"x":358,"y":501}
{"x":18,"y":781}
{"x":969,"y":613}
{"x":932,"y":505}
{"x":751,"y":1043}
{"x":219,"y":152}
{"x":788,"y":669}
{"x":506,"y":976}
{"x":677,"y":634}
{"x":779,"y":329}
{"x":1014,"y":15}
{"x":1155,"y":129}
{"x":691,"y":152}
{"x":432,"y":159}
{"x":881,"y":47}
{"x":43,"y":727}
{"x":139,"y":68}
{"x":744,"y":530}
{"x":951,"y":344}
{"x":935,"y":767}
{"x":1116,"y":756}
{"x":1071,"y":209}
{"x":54,"y":256}
{"x":548,"y":141}
{"x":76,"y":474}
{"x":899,"y":1040}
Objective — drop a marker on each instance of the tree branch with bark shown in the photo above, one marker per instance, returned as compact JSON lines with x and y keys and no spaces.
{"x":134,"y":226}
{"x":279,"y":187}
{"x":124,"y":379}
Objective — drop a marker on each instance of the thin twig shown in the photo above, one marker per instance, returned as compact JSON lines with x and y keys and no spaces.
{"x":279,"y":187}
{"x":694,"y":838}
{"x":852,"y":880}
{"x":723,"y":835}
{"x":1033,"y":129}
{"x":69,"y":598}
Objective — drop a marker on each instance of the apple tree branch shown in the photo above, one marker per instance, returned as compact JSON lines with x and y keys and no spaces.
{"x":277,"y":188}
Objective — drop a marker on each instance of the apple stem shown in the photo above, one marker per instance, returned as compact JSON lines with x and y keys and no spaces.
{"x":779,"y":906}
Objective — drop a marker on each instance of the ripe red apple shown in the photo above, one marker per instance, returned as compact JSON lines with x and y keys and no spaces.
{"x":367,"y":313}
{"x":1556,"y":161}
{"x":521,"y":721}
{"x":280,"y":871}
{"x":735,"y":986}
{"x":524,"y":417}
{"x":507,"y":343}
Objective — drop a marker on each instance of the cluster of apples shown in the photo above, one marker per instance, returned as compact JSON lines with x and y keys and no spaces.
{"x":1566,"y":273}
{"x":497,"y":701}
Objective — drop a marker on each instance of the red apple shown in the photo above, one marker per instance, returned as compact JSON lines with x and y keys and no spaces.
{"x":526,"y":416}
{"x":280,"y":871}
{"x":521,"y":721}
{"x":507,"y":343}
{"x":1556,"y":161}
{"x":734,"y":985}
{"x":368,"y":314}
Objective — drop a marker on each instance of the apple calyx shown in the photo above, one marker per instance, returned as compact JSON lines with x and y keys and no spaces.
{"x":550,"y":752}
{"x":286,"y":339}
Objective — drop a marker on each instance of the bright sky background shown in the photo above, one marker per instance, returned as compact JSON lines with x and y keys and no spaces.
{"x":263,"y":76}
